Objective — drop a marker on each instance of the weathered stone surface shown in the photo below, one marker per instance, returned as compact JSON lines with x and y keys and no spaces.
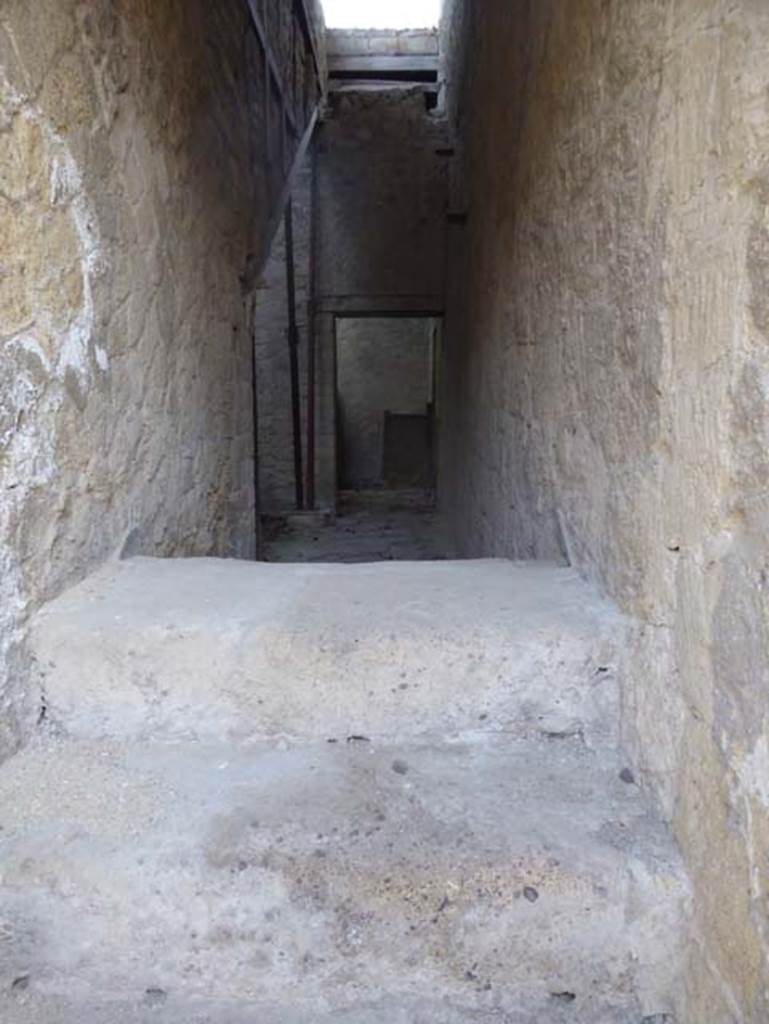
{"x":460,"y":842}
{"x":180,"y":881}
{"x":382,"y":196}
{"x":606,"y":404}
{"x":135,"y":190}
{"x":607,"y":357}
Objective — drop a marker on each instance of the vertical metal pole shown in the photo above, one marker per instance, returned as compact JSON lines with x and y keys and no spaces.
{"x":267,"y":109}
{"x":311,"y":329}
{"x":283,"y":146}
{"x":293,"y":354}
{"x":294,"y":65}
{"x":255,"y":415}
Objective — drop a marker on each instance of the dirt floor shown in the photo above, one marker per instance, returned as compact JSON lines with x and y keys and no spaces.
{"x":370,"y":526}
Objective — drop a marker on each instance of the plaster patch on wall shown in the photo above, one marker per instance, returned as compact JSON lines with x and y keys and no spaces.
{"x":55,"y":340}
{"x":134,"y":187}
{"x":752,"y":771}
{"x":752,"y":790}
{"x":67,"y":190}
{"x":71,"y":346}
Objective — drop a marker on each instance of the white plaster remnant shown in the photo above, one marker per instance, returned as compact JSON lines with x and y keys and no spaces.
{"x":89,"y":286}
{"x":752,"y":770}
{"x":67,"y":189}
{"x":33,"y":372}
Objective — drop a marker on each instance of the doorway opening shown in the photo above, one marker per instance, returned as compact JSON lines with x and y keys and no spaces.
{"x":386,"y":404}
{"x":386,"y":427}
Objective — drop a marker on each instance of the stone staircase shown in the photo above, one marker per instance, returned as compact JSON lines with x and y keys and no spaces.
{"x":366,"y":794}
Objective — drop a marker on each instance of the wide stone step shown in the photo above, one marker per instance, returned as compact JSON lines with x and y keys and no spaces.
{"x":29,"y":1008}
{"x":484,"y":879}
{"x":216,"y":649}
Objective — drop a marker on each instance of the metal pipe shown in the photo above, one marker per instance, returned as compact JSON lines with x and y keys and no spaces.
{"x":255,"y":423}
{"x":293,"y":355}
{"x":311,"y":330}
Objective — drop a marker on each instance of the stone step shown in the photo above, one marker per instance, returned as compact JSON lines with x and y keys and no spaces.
{"x":29,"y":1008}
{"x":214,"y":649}
{"x":486,"y":879}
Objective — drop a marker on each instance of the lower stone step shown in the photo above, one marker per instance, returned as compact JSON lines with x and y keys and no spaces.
{"x":153,"y":1007}
{"x":487,"y":879}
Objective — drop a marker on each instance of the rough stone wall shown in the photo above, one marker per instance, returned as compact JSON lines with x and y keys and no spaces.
{"x":382,"y":364}
{"x":382,"y":195}
{"x":609,"y":390}
{"x":134,"y":191}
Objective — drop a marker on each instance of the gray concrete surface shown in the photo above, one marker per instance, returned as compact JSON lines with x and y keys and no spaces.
{"x":498,"y":873}
{"x":300,"y":794}
{"x":225,"y":649}
{"x":30,"y":1008}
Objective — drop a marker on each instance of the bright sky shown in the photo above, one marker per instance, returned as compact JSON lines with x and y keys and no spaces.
{"x":382,"y":13}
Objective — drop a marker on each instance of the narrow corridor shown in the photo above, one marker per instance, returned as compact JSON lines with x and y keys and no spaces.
{"x":384,"y":516}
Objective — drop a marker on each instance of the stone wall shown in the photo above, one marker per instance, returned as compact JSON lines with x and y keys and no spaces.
{"x":609,"y":390}
{"x":383,"y":364}
{"x":135,"y":190}
{"x":382,"y":190}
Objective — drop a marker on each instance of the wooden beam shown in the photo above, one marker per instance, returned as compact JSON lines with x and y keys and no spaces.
{"x":381,"y":305}
{"x":370,"y":65}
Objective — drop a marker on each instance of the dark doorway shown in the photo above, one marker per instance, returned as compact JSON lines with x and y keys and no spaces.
{"x":386,"y":402}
